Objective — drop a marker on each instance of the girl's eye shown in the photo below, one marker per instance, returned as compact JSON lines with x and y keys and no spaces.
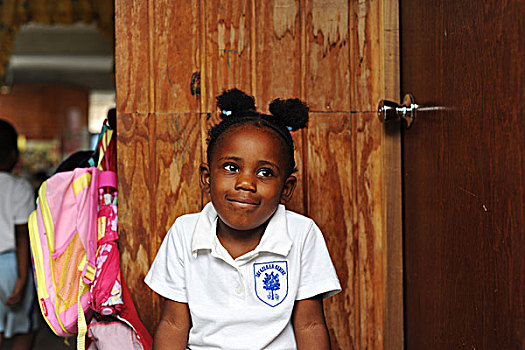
{"x":230,"y":167}
{"x":265,"y":172}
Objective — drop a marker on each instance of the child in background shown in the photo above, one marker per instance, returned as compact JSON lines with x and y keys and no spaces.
{"x":18,"y":316}
{"x":245,"y":273}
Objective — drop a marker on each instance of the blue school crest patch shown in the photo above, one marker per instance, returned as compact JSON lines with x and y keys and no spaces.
{"x":271,"y":281}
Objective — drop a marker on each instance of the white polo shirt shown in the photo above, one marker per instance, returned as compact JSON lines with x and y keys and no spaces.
{"x":243,"y":303}
{"x":16,"y":203}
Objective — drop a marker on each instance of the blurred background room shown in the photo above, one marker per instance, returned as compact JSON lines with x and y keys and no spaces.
{"x":56,"y":87}
{"x":57,"y":78}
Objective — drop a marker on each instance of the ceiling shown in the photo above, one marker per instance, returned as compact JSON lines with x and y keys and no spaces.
{"x":76,"y":55}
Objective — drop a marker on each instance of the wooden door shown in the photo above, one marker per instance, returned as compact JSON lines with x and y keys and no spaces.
{"x":464,"y":173}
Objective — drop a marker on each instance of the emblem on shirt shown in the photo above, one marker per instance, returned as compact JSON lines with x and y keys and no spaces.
{"x":271,"y":281}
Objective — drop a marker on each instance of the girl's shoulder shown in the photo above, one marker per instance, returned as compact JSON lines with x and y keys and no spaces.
{"x":298,"y":223}
{"x":296,"y":217}
{"x":181,"y":231}
{"x":186,"y":222}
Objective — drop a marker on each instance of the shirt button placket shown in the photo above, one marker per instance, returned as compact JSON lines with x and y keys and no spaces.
{"x":238,"y":289}
{"x":239,"y":285}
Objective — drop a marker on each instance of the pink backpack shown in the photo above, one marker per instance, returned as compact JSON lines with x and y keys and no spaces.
{"x":63,"y":235}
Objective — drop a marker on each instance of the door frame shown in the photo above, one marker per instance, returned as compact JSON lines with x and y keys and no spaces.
{"x":392,"y":182}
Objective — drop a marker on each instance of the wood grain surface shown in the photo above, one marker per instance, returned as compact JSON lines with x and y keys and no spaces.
{"x":327,"y":55}
{"x":332,"y":205}
{"x":278,"y":50}
{"x":133,"y":78}
{"x":330,"y":53}
{"x":176,"y":44}
{"x":228,"y":43}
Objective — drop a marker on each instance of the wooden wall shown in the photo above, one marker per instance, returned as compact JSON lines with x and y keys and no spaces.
{"x":173,"y":58}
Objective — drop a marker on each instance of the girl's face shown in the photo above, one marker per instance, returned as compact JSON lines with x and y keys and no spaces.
{"x":246,"y":176}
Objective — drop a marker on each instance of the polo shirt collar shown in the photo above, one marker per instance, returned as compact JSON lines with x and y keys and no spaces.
{"x":274,"y":240}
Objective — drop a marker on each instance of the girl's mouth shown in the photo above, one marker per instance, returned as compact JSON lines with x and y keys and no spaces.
{"x":243,"y":202}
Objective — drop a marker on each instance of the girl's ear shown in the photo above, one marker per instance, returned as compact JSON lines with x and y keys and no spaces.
{"x":204,"y":172}
{"x":288,"y":188}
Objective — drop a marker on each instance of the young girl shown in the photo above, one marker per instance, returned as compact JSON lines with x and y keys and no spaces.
{"x":245,"y":273}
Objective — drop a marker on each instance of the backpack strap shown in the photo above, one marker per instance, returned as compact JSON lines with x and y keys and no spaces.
{"x":81,"y":322}
{"x":88,"y":275}
{"x":105,"y":139}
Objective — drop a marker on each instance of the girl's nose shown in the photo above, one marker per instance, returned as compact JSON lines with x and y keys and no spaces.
{"x":245,"y":182}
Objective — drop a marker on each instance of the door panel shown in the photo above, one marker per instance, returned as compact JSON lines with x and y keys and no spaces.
{"x":464,"y":174}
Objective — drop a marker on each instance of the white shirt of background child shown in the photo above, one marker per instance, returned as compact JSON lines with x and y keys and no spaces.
{"x":16,"y":203}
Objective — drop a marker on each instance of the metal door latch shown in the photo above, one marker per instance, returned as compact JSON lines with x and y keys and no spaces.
{"x":388,"y":110}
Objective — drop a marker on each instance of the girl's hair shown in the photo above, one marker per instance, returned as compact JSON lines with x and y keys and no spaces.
{"x":237,"y":108}
{"x":8,"y":141}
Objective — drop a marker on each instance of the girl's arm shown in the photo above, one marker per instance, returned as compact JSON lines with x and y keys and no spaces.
{"x":174,"y":326}
{"x":22,"y":259}
{"x":309,"y":324}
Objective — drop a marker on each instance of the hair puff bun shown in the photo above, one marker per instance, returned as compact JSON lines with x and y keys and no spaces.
{"x":233,"y":102}
{"x":292,"y":112}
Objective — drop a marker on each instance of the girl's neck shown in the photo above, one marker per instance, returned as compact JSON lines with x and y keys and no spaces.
{"x":236,"y":242}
